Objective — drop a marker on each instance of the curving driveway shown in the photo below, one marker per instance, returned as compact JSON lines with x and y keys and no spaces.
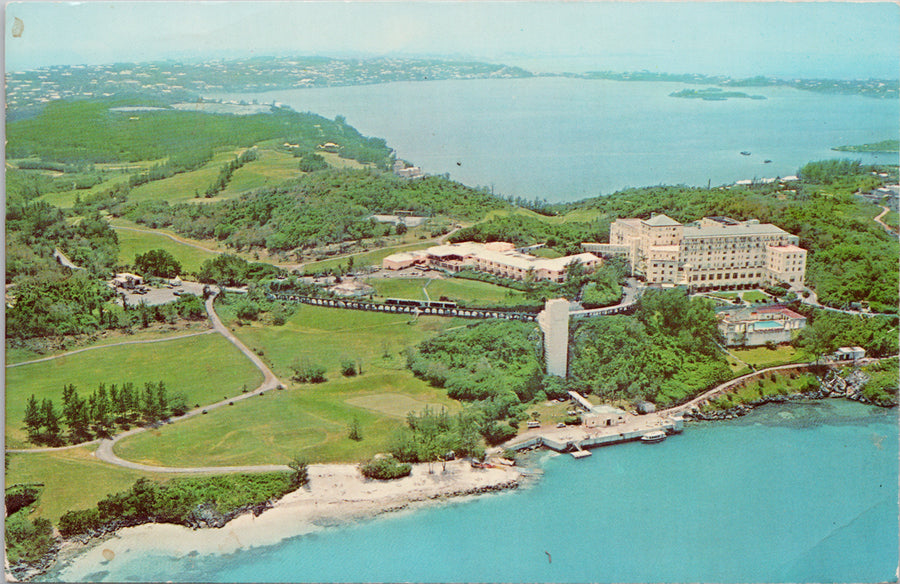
{"x":105,"y":451}
{"x":270,"y":381}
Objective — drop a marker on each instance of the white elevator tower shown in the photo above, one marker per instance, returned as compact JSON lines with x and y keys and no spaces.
{"x":554,"y":323}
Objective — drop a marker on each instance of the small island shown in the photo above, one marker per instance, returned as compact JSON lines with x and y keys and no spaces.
{"x":883,"y":146}
{"x":713,"y":94}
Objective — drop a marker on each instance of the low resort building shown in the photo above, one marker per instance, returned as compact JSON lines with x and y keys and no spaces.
{"x":751,"y":327}
{"x":498,"y":258}
{"x":715,"y":253}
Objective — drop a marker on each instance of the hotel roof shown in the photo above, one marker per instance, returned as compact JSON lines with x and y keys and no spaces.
{"x":732,"y":230}
{"x":661,"y":221}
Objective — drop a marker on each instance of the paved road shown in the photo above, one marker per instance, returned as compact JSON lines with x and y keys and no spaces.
{"x":887,"y":227}
{"x":105,"y":451}
{"x":174,"y":238}
{"x":270,"y":381}
{"x":143,"y":342}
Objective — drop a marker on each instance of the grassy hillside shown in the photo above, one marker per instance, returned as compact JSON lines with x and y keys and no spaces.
{"x":90,"y":131}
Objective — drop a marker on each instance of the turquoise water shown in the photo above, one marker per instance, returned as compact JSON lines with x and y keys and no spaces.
{"x":567,"y":139}
{"x":767,"y":324}
{"x":792,"y":493}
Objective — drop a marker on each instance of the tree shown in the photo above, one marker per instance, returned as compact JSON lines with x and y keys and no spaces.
{"x":355,"y":432}
{"x":33,"y":419}
{"x":157,"y":262}
{"x":307,"y":372}
{"x":162,"y":400}
{"x":300,"y":469}
{"x":50,"y":421}
{"x":348,"y":368}
{"x":401,"y":228}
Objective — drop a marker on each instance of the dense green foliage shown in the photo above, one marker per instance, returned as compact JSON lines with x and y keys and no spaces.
{"x":34,"y":229}
{"x":88,"y":131}
{"x":665,"y":353}
{"x":523,"y":230}
{"x":385,"y":468}
{"x":321,"y":208}
{"x":231,"y":270}
{"x":430,"y":436}
{"x":59,"y":307}
{"x":496,"y":365}
{"x":851,"y":258}
{"x":827,"y":330}
{"x":104,"y":411}
{"x":882,"y":387}
{"x":157,"y":262}
{"x":27,"y":540}
{"x":183,"y":501}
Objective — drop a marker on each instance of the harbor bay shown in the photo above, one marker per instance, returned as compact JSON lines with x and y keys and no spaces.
{"x":576,"y":138}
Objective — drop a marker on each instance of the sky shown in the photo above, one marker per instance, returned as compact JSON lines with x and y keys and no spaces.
{"x":818,"y":39}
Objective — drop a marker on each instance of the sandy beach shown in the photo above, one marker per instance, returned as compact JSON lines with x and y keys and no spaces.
{"x":335,"y":494}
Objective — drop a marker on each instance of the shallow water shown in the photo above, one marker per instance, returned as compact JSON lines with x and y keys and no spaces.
{"x":789,"y":493}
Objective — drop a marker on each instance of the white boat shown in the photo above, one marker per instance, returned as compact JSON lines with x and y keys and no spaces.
{"x":654,"y":436}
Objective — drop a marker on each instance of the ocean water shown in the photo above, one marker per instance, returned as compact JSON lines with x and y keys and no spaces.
{"x":790,"y":493}
{"x":566,"y":139}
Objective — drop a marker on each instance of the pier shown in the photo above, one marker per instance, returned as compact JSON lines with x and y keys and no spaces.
{"x":580,"y":440}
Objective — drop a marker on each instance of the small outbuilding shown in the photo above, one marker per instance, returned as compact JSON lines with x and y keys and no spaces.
{"x":849,"y":354}
{"x":645,"y":407}
{"x":127,"y":281}
{"x":604,"y":416}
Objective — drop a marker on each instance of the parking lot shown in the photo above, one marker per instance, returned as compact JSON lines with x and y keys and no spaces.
{"x":159,"y":295}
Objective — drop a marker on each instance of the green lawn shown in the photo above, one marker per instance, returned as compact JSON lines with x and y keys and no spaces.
{"x":272,"y":167}
{"x":761,"y":357}
{"x":892,"y":219}
{"x":328,"y":335}
{"x":401,"y":288}
{"x":182,"y":187}
{"x":66,"y":199}
{"x":72,"y":479}
{"x":755,"y":296}
{"x":310,"y":418}
{"x":206,"y":368}
{"x":132,"y":243}
{"x":472,"y":292}
{"x":18,"y":355}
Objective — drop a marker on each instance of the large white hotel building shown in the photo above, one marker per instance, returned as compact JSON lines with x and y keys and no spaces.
{"x":714,"y":253}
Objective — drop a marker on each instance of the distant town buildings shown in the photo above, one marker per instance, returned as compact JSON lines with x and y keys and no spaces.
{"x":715,"y":253}
{"x":498,"y":258}
{"x":751,"y":327}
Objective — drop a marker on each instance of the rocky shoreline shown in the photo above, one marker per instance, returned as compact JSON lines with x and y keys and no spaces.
{"x":832,"y":386}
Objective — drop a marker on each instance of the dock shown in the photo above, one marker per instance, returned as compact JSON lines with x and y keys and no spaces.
{"x":579,"y":441}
